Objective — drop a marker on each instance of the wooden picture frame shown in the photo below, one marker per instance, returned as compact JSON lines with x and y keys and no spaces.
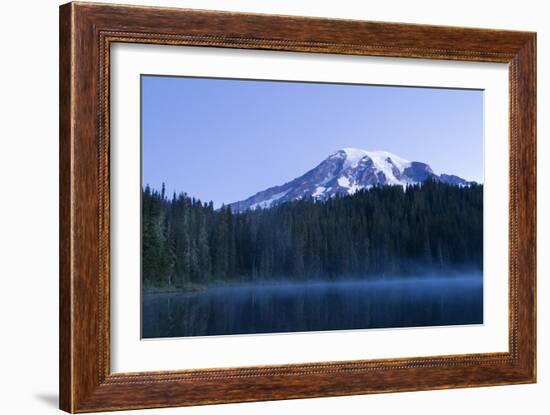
{"x":86,"y":33}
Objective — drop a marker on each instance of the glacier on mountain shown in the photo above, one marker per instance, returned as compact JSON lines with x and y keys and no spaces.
{"x":345,"y":172}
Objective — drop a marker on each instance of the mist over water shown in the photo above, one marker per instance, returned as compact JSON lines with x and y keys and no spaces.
{"x":315,"y":306}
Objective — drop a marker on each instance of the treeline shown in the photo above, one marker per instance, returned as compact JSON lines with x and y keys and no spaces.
{"x":376,"y":232}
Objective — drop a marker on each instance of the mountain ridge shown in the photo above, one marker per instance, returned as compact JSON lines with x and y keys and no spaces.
{"x":345,"y":172}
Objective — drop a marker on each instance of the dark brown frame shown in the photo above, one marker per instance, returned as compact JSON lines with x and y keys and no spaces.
{"x":86,"y":33}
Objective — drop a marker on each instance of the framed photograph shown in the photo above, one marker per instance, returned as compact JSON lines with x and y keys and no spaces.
{"x":259,"y":207}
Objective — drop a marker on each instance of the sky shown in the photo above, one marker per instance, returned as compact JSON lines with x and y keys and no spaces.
{"x":223,"y":140}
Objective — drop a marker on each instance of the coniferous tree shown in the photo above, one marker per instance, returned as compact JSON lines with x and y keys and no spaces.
{"x":377,"y":232}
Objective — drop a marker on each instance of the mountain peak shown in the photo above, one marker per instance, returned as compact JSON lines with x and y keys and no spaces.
{"x":352,"y":155}
{"x":355,"y":155}
{"x":345,"y":172}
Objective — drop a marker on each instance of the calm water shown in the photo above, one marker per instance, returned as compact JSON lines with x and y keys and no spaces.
{"x":293,"y":307}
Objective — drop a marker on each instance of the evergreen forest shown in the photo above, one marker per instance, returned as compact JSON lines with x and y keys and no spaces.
{"x":376,"y":233}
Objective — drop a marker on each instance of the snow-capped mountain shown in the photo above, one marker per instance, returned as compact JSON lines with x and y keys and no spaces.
{"x":345,"y":172}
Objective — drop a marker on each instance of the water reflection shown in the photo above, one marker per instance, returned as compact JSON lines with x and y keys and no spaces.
{"x":295,"y":307}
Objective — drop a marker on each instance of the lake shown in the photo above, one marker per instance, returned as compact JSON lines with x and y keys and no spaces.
{"x":314,"y":306}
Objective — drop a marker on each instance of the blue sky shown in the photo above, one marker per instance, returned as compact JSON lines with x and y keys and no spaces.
{"x":224,"y":140}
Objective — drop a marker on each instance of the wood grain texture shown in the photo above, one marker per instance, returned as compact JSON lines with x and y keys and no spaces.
{"x":65,"y":246}
{"x":86,"y":33}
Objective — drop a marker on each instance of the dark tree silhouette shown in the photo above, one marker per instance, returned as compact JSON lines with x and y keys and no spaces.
{"x":378,"y":232}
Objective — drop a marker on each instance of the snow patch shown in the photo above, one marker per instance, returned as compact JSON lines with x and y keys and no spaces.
{"x":354,"y":188}
{"x":353,"y":157}
{"x":349,"y":184}
{"x":318,"y":191}
{"x":343,"y":181}
{"x":268,"y":202}
{"x":383,"y":161}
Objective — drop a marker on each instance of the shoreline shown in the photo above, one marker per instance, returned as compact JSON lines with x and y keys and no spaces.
{"x":194,"y":288}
